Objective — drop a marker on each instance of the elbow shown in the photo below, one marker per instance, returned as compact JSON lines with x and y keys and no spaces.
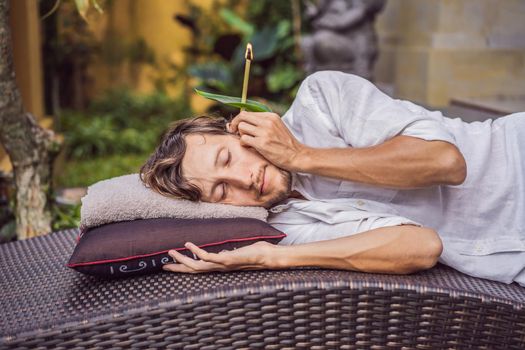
{"x":425,"y":253}
{"x":430,"y":251}
{"x":454,"y":166}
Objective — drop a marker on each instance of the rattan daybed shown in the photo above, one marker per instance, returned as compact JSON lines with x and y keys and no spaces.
{"x":45,"y":305}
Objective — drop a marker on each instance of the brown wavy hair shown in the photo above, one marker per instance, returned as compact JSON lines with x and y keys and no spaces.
{"x":162,"y":172}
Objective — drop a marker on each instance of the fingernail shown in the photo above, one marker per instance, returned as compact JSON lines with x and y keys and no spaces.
{"x":171,"y":252}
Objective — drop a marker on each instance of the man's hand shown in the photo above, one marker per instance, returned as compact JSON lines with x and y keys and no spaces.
{"x":256,"y":256}
{"x":269,"y":136}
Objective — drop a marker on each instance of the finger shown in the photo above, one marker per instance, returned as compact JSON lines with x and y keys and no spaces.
{"x":204,"y":255}
{"x":178,"y":268}
{"x":246,"y":128}
{"x":196,"y":265}
{"x":181,"y":267}
{"x":254,"y":118}
{"x":183,"y":259}
{"x":248,"y":141}
{"x":209,"y":267}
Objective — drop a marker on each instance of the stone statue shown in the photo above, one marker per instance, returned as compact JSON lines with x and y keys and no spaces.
{"x":343,"y":36}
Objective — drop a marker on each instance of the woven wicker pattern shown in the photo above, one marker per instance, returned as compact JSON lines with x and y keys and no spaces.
{"x":45,"y":305}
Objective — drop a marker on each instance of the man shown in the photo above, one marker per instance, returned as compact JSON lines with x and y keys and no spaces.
{"x":357,"y":181}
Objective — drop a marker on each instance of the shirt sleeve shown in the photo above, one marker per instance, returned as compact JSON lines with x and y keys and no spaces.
{"x":364,"y":116}
{"x":320,"y":231}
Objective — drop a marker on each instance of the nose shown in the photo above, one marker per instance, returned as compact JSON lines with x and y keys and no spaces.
{"x":241,"y":178}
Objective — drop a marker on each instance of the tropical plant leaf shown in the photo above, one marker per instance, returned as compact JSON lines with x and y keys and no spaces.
{"x":265,"y":43}
{"x":97,"y":6}
{"x":283,"y":29}
{"x":250,"y":105}
{"x":282,"y":77}
{"x":215,"y":74}
{"x":82,"y":7}
{"x":236,"y":22}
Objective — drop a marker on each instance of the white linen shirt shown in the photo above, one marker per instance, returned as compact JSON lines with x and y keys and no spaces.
{"x":481,"y":222}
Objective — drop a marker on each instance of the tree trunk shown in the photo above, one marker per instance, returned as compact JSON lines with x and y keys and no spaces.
{"x":31,"y":148}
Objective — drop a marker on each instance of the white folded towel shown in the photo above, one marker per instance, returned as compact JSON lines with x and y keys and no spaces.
{"x":126,"y":198}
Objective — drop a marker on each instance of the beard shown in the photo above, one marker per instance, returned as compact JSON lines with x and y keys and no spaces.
{"x":286,"y":179}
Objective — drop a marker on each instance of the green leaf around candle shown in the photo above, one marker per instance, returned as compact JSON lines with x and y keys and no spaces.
{"x":249,"y":105}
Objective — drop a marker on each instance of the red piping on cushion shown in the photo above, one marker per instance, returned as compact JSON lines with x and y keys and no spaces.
{"x":83,"y":230}
{"x":165,"y":251}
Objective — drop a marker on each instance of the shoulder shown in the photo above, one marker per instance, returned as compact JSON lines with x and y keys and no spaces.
{"x":329,"y":78}
{"x":334,"y":89}
{"x":322,"y":101}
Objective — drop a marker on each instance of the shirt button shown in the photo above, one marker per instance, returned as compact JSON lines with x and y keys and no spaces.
{"x":360,"y":203}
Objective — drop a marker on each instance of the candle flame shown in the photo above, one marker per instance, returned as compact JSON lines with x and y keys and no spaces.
{"x":249,"y":52}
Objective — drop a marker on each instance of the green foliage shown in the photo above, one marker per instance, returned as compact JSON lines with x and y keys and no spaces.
{"x":65,"y":216}
{"x":249,"y":105}
{"x":282,"y":77}
{"x":138,"y":51}
{"x":217,"y":53}
{"x":82,"y":7}
{"x":236,"y":22}
{"x":85,"y":172}
{"x":114,"y":136}
{"x":119,"y":123}
{"x":8,"y":231}
{"x":215,"y":74}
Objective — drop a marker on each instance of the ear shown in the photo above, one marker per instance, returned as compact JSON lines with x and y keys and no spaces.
{"x":228,"y":130}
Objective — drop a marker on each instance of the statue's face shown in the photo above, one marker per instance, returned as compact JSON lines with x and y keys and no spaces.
{"x":229,"y":173}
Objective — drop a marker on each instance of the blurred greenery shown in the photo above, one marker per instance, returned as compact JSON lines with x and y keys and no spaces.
{"x":65,"y":216}
{"x":216,"y":56}
{"x":85,"y":172}
{"x":114,"y":135}
{"x":8,"y":231}
{"x":118,"y":123}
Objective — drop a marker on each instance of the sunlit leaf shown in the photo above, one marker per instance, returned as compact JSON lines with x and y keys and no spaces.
{"x":53,"y":10}
{"x":82,"y":7}
{"x":283,"y":29}
{"x":236,"y":22}
{"x":97,"y":6}
{"x":250,"y":105}
{"x":282,"y":77}
{"x":214,"y":74}
{"x":265,"y":43}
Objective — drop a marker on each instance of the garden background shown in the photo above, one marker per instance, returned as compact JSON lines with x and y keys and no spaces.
{"x":111,"y":82}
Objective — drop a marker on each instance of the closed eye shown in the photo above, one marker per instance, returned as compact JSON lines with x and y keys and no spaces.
{"x":223,"y":197}
{"x":229,"y":158}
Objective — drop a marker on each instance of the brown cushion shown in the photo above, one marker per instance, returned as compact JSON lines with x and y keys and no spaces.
{"x":141,"y":246}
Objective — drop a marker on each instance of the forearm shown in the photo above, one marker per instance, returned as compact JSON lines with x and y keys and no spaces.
{"x":397,"y":250}
{"x":402,"y":162}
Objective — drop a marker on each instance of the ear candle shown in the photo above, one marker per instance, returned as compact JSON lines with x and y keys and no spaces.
{"x":248,"y":56}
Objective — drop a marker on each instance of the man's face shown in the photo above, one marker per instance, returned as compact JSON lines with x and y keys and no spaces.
{"x":229,"y":173}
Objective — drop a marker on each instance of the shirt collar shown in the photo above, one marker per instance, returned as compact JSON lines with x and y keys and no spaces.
{"x":294,"y":182}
